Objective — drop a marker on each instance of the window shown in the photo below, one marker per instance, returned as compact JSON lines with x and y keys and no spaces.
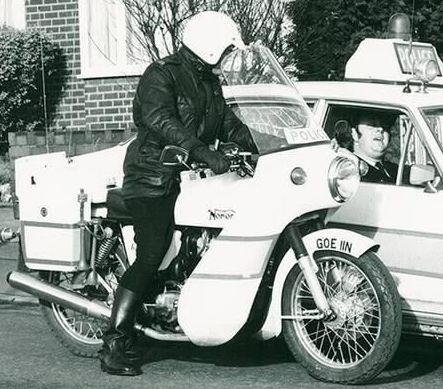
{"x":405,"y":148}
{"x":12,"y":13}
{"x":108,"y":43}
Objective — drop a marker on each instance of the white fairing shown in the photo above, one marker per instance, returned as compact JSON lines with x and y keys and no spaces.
{"x":216,"y":300}
{"x":262,"y":205}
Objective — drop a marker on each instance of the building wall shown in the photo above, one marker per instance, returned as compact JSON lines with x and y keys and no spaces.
{"x":59,"y":21}
{"x":87,"y":104}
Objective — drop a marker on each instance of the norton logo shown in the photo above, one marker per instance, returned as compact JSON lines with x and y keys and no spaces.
{"x":221,"y":214}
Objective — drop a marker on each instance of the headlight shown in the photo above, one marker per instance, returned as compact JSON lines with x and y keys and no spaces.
{"x":426,"y":70}
{"x":343,"y":179}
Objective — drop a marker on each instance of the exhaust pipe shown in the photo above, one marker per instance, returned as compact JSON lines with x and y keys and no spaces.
{"x":71,"y":300}
{"x":54,"y":294}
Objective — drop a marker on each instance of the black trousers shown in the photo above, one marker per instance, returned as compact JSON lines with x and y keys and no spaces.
{"x":153,"y":227}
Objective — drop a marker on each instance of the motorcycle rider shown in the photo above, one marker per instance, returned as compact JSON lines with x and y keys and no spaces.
{"x":179,"y":102}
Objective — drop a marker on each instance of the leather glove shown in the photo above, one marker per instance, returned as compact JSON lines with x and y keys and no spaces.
{"x":215,"y":160}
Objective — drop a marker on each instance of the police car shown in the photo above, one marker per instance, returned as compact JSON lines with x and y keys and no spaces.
{"x":404,"y":79}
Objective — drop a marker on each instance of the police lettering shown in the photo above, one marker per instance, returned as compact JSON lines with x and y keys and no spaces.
{"x":407,"y":55}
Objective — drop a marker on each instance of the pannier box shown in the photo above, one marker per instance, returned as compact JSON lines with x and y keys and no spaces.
{"x":52,"y":204}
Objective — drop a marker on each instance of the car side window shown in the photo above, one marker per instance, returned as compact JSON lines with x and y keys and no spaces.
{"x":416,"y":152}
{"x":374,"y":135}
{"x":405,"y":155}
{"x":418,"y":164}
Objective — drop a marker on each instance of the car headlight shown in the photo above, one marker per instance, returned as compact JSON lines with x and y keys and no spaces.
{"x":343,"y":179}
{"x":426,"y":70}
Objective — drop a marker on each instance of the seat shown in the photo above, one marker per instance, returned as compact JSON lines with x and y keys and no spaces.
{"x":116,"y":207}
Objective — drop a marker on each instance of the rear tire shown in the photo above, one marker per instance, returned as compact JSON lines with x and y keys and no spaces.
{"x":358,"y":344}
{"x":81,"y":334}
{"x":57,"y":319}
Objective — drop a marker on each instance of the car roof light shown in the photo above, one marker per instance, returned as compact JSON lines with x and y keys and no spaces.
{"x":399,"y":27}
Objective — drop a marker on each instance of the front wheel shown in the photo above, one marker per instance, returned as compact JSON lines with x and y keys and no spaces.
{"x":358,"y":343}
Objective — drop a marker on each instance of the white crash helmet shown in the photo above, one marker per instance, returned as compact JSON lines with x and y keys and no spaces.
{"x":208,"y":34}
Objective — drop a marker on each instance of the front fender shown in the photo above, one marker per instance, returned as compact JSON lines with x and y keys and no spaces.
{"x":332,"y":239}
{"x":337,"y":239}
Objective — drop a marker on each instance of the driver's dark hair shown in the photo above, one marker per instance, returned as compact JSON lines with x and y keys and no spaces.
{"x":387,"y":119}
{"x":343,"y":134}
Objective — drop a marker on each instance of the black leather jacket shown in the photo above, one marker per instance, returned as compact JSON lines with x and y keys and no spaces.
{"x":178,"y":102}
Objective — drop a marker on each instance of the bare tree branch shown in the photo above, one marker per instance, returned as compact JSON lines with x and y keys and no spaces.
{"x":157,"y":25}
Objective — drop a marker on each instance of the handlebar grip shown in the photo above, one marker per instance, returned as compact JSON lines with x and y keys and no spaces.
{"x":199,"y":165}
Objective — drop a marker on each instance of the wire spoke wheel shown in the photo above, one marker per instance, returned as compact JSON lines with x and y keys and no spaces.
{"x":360,"y":340}
{"x":80,"y":333}
{"x":348,"y":338}
{"x":81,"y":327}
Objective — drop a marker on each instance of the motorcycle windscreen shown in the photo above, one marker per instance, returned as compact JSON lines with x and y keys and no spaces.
{"x":263,"y":96}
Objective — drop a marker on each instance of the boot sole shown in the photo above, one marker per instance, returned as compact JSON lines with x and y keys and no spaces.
{"x":126,"y":373}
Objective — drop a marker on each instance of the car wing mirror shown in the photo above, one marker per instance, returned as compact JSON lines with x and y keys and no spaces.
{"x":423,"y":175}
{"x":174,"y":156}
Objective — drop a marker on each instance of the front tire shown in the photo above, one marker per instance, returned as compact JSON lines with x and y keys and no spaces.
{"x":356,"y":346}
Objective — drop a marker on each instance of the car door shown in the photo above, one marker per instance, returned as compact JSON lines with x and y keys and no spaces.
{"x":403,"y":218}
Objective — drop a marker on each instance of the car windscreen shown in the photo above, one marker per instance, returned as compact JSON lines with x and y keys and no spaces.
{"x":279,"y":124}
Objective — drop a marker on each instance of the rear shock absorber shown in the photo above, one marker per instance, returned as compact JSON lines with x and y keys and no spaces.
{"x":104,"y":248}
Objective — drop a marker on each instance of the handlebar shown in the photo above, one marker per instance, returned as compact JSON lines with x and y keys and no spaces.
{"x":240,"y":162}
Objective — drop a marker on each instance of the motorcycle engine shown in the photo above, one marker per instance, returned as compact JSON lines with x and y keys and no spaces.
{"x":165,"y":308}
{"x":195,"y":242}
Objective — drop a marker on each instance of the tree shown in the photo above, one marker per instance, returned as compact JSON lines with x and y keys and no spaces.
{"x":160,"y":22}
{"x":327,"y":32}
{"x":23,"y":104}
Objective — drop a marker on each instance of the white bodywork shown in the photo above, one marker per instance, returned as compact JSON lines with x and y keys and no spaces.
{"x":216,"y":300}
{"x":404,"y":220}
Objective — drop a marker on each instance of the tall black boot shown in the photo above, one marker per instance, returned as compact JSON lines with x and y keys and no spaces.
{"x":116,"y":355}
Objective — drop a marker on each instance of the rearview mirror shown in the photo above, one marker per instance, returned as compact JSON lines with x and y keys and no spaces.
{"x":421,"y":174}
{"x":174,"y":156}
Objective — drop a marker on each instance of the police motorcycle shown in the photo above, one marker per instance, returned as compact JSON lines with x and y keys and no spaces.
{"x":250,"y":255}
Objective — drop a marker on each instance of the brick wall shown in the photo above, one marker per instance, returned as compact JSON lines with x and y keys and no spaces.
{"x":87,"y":104}
{"x":59,"y":21}
{"x":108,"y":103}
